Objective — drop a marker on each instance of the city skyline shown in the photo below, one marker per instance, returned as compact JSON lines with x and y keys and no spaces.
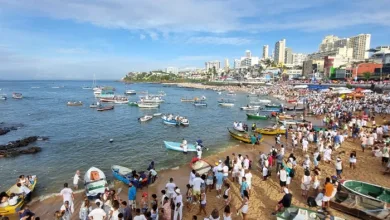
{"x":75,"y":40}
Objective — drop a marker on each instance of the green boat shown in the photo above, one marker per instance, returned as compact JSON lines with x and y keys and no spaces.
{"x":368,"y":190}
{"x":133,"y":104}
{"x":255,"y":116}
{"x":295,"y":212}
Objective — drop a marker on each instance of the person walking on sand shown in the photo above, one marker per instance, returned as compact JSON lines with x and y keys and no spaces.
{"x":166,"y":210}
{"x":76,"y":180}
{"x":178,"y":205}
{"x":282,"y":178}
{"x":67,"y":195}
{"x":132,"y":195}
{"x":339,"y":167}
{"x":170,"y":187}
{"x":98,"y":213}
{"x":305,"y":183}
{"x":244,"y":208}
{"x":203,"y":203}
{"x":218,"y":185}
{"x":352,"y":160}
{"x":66,"y":211}
{"x":196,"y":192}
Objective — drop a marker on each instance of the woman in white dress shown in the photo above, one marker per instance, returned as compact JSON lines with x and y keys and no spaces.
{"x":328,"y":154}
{"x":305,"y":183}
{"x":85,"y":209}
{"x":245,"y":205}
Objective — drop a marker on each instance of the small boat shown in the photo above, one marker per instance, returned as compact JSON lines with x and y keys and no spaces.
{"x":244,"y":137}
{"x":105,"y":108}
{"x":121,"y":101}
{"x":170,"y":122}
{"x":239,"y":128}
{"x":282,"y":117}
{"x":264,"y":101}
{"x":200,"y":166}
{"x":257,"y":116}
{"x":187,"y":100}
{"x":226,"y":102}
{"x":130,"y":92}
{"x":232,"y":93}
{"x":250,"y":108}
{"x":3,"y":97}
{"x":145,"y":118}
{"x":291,"y":100}
{"x":55,"y":87}
{"x":219,"y":92}
{"x":184,"y":121}
{"x":94,"y":105}
{"x":16,"y":95}
{"x":177,"y":146}
{"x":133,"y":104}
{"x":294,"y":109}
{"x":149,"y":99}
{"x":9,"y":210}
{"x":87,"y":87}
{"x":79,"y":103}
{"x":273,"y":106}
{"x":200,"y":103}
{"x":293,"y":122}
{"x":122,"y":174}
{"x":368,"y":190}
{"x":270,"y":131}
{"x":294,"y":212}
{"x":272,"y":110}
{"x":148,"y":105}
{"x":157,"y":114}
{"x":35,"y":87}
{"x":95,"y":182}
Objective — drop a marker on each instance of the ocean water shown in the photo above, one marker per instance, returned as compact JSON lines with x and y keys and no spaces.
{"x":79,"y":136}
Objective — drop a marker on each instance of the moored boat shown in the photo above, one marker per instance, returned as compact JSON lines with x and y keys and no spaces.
{"x":94,"y":182}
{"x":130,"y":92}
{"x":200,"y":166}
{"x":17,"y":95}
{"x":294,"y":109}
{"x":200,"y":103}
{"x":244,"y":137}
{"x":294,"y":212}
{"x":226,"y":102}
{"x":257,"y":116}
{"x":121,"y":101}
{"x":105,"y":108}
{"x":148,"y":105}
{"x":177,"y":146}
{"x":13,"y":209}
{"x":94,"y":105}
{"x":3,"y":97}
{"x":187,"y":100}
{"x":79,"y":103}
{"x":133,"y":104}
{"x":122,"y":174}
{"x":184,"y":121}
{"x":157,"y":114}
{"x":271,"y":131}
{"x":250,"y":108}
{"x":273,"y":106}
{"x":145,"y":118}
{"x":368,"y":190}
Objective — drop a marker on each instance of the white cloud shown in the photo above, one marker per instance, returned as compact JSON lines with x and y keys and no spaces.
{"x":142,"y":36}
{"x":219,"y":40}
{"x":71,"y":51}
{"x":153,"y":35}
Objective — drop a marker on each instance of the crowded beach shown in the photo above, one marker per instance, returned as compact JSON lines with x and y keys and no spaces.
{"x":308,"y":172}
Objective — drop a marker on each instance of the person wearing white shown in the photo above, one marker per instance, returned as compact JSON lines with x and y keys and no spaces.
{"x":170,"y":188}
{"x":192,"y":177}
{"x":67,"y":194}
{"x":248,"y":176}
{"x":305,"y":144}
{"x":178,"y":205}
{"x":66,"y":211}
{"x":98,"y":213}
{"x":199,"y":151}
{"x":76,"y":180}
{"x":246,"y":163}
{"x":225,"y":170}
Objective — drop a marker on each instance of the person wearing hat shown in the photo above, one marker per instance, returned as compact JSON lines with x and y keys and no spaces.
{"x":339,"y":167}
{"x":284,"y":203}
{"x":178,"y":205}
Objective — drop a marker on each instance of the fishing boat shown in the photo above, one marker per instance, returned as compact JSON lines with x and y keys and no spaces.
{"x":17,"y":95}
{"x":298,"y":213}
{"x":272,"y":110}
{"x":292,"y":122}
{"x":200,"y":103}
{"x":105,"y":108}
{"x":244,"y":137}
{"x":168,"y":121}
{"x":121,"y":101}
{"x":145,"y":118}
{"x":200,"y":166}
{"x":133,"y":104}
{"x":95,"y":182}
{"x":231,"y":93}
{"x":105,"y":93}
{"x":184,"y":121}
{"x":93,"y":105}
{"x":3,"y":97}
{"x":226,"y":102}
{"x":273,"y":106}
{"x":250,"y":108}
{"x":122,"y":174}
{"x":187,"y":100}
{"x":282,"y":117}
{"x":9,"y":210}
{"x":291,"y":100}
{"x":177,"y":146}
{"x":271,"y":131}
{"x":257,"y":116}
{"x":130,"y":92}
{"x":152,"y":99}
{"x":239,"y":128}
{"x":368,"y":190}
{"x":157,"y":114}
{"x":79,"y":103}
{"x":148,"y":105}
{"x":264,"y":101}
{"x":294,"y":109}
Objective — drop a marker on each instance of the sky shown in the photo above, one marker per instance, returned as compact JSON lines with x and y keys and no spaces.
{"x":75,"y":39}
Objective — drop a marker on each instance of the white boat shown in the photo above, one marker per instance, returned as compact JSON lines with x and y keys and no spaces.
{"x":87,"y":87}
{"x":268,"y":84}
{"x":145,"y":118}
{"x":219,"y":92}
{"x":55,"y":87}
{"x":121,"y":101}
{"x":238,"y":128}
{"x":149,"y":99}
{"x":228,"y":104}
{"x":130,"y":92}
{"x":148,"y":105}
{"x":94,"y":182}
{"x":3,"y":97}
{"x":231,"y":93}
{"x":250,"y":108}
{"x":157,"y":114}
{"x":266,"y":101}
{"x":16,"y":95}
{"x":93,"y":105}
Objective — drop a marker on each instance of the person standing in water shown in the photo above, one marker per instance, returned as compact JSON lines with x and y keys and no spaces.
{"x":76,"y":180}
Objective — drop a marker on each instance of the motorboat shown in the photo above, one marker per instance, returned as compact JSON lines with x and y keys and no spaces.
{"x":17,"y":95}
{"x":95,"y":182}
{"x":200,"y":103}
{"x":226,"y":102}
{"x":105,"y":108}
{"x":184,"y":121}
{"x":152,"y":99}
{"x":130,"y":92}
{"x":169,"y":120}
{"x":79,"y":103}
{"x":3,"y":97}
{"x":121,"y":101}
{"x":250,"y":108}
{"x":157,"y":114}
{"x":145,"y":118}
{"x":148,"y":105}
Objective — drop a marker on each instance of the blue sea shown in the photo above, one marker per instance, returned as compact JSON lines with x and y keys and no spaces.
{"x":79,"y":136}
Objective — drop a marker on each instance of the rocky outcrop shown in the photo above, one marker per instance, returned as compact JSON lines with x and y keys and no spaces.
{"x":5,"y":128}
{"x":10,"y":149}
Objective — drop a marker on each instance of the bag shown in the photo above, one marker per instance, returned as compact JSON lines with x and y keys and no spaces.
{"x":292,"y":173}
{"x":311,"y":202}
{"x":318,"y":157}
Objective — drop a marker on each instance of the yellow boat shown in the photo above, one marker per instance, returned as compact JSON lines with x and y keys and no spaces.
{"x":9,"y":210}
{"x":270,"y":131}
{"x":244,"y":137}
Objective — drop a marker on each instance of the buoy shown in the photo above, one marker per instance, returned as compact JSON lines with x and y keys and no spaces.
{"x":111,"y":140}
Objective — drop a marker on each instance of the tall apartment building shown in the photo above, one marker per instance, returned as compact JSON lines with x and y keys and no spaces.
{"x":248,"y":54}
{"x":280,"y":47}
{"x":360,"y":45}
{"x":212,"y":64}
{"x":298,"y":59}
{"x":288,"y":56}
{"x":237,"y":63}
{"x":265,"y":52}
{"x":227,"y":65}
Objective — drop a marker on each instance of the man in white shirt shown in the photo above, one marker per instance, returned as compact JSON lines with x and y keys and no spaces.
{"x":199,"y":151}
{"x":225,"y":170}
{"x":246,"y":162}
{"x":248,"y":176}
{"x":170,"y":188}
{"x":76,"y":180}
{"x":282,"y":178}
{"x":192,"y":176}
{"x":98,"y":213}
{"x":196,"y":187}
{"x":178,"y":205}
{"x":305,"y":144}
{"x":67,"y":195}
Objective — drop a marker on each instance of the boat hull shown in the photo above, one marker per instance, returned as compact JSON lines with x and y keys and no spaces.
{"x":176,"y":146}
{"x":240,"y":137}
{"x":121,"y":173}
{"x":270,"y":131}
{"x":148,"y":105}
{"x":368,"y":190}
{"x":200,"y":166}
{"x":170,"y":122}
{"x":94,"y":182}
{"x":258,"y":117}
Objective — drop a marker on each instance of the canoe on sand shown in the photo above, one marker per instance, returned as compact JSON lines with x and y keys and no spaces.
{"x":270,"y":131}
{"x":121,"y":173}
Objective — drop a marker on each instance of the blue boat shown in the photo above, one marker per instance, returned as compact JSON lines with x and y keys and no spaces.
{"x":122,"y":174}
{"x":176,"y":146}
{"x":272,"y":110}
{"x":170,"y":122}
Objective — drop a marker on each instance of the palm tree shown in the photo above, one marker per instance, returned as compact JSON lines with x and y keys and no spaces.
{"x":367,"y":75}
{"x":267,"y":63}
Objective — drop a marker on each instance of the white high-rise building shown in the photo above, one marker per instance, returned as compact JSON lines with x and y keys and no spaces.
{"x":288,"y":56}
{"x":360,"y":45}
{"x":357,"y":45}
{"x":265,"y":52}
{"x":280,"y":47}
{"x":298,"y":59}
{"x":248,"y":54}
{"x":211,"y":64}
{"x":173,"y":70}
{"x":237,"y":63}
{"x":227,"y":65}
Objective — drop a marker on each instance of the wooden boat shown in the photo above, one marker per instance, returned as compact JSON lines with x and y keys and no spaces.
{"x":244,"y":137}
{"x":122,"y":174}
{"x":226,"y":102}
{"x":133,"y":104}
{"x":157,"y":114}
{"x":273,"y":106}
{"x":187,"y":100}
{"x":200,"y":103}
{"x":9,"y":210}
{"x":105,"y":108}
{"x":145,"y":118}
{"x":95,"y":182}
{"x":148,"y":105}
{"x":299,"y":213}
{"x":368,"y":190}
{"x":170,"y":122}
{"x":130,"y":92}
{"x":200,"y":166}
{"x":250,"y":108}
{"x":79,"y":103}
{"x":184,"y":121}
{"x":291,"y":122}
{"x":294,"y":109}
{"x":264,"y":101}
{"x":121,"y":101}
{"x":177,"y":146}
{"x":282,"y":117}
{"x":270,"y":131}
{"x":256,"y":116}
{"x":16,"y":95}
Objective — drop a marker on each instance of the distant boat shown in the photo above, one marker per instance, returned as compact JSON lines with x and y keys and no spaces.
{"x":226,"y":102}
{"x":79,"y":103}
{"x":148,"y":105}
{"x":177,"y":146}
{"x":121,"y":101}
{"x":55,"y":87}
{"x":157,"y":114}
{"x":35,"y":87}
{"x":93,"y":105}
{"x":130,"y":92}
{"x":200,"y":103}
{"x":3,"y":97}
{"x":187,"y":100}
{"x":145,"y":118}
{"x":16,"y":95}
{"x":86,"y":87}
{"x":105,"y":108}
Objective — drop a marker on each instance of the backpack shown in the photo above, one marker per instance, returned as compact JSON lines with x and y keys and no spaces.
{"x":292,"y":173}
{"x":311,"y":202}
{"x":318,"y":157}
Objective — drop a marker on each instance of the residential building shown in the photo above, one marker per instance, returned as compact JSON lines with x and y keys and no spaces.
{"x":312,"y":66}
{"x":173,"y":70}
{"x":380,"y":54}
{"x":249,"y":61}
{"x":265,"y":52}
{"x":211,"y":64}
{"x":248,"y":54}
{"x":298,"y":59}
{"x":237,"y":63}
{"x":280,"y":51}
{"x":360,"y":45}
{"x":294,"y":73}
{"x":227,"y":65}
{"x":288,"y":56}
